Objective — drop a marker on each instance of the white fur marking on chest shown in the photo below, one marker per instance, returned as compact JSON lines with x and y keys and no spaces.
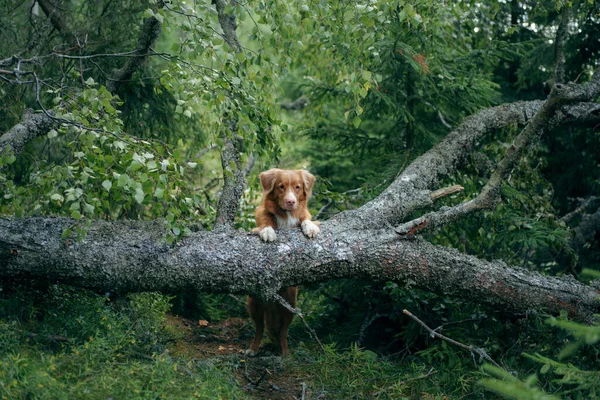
{"x":286,"y":223}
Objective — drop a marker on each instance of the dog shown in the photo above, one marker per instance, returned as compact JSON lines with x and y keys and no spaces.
{"x":283,"y":206}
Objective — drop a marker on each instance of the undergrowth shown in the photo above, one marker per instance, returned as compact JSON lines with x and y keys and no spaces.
{"x":58,"y":342}
{"x":63,"y":343}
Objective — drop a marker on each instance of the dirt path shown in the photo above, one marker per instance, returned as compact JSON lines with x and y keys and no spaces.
{"x":267,"y":376}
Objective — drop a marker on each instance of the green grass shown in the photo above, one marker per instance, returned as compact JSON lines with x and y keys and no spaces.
{"x":354,"y":373}
{"x":63,"y":343}
{"x":112,"y":350}
{"x":77,"y":373}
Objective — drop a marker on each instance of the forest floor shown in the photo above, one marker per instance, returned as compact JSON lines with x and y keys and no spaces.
{"x":266,"y":376}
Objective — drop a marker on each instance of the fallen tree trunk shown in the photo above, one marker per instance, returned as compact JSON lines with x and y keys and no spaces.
{"x":133,"y":256}
{"x":127,"y":256}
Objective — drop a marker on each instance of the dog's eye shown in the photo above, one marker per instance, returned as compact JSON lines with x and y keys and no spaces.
{"x":297,"y":186}
{"x":281,"y":186}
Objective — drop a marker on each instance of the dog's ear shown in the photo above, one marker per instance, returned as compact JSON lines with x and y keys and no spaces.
{"x":267,"y":179}
{"x":309,"y":182}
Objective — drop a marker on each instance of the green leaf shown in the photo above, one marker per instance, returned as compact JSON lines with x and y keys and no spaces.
{"x":122,"y":181}
{"x":88,"y":209}
{"x":52,"y":134}
{"x":106,"y":184}
{"x":134,"y":166}
{"x":139,"y":195}
{"x":151,"y":165}
{"x":57,"y":197}
{"x":67,"y":232}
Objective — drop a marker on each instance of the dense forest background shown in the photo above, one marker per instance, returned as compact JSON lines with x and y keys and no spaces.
{"x":146,"y":110}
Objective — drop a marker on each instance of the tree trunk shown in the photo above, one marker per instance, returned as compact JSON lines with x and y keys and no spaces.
{"x":362,"y":244}
{"x":132,"y":256}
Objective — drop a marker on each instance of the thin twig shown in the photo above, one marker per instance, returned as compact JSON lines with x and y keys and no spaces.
{"x":482,"y":353}
{"x":297,"y":312}
{"x":205,"y":150}
{"x":455,"y":323}
{"x":443,"y":192}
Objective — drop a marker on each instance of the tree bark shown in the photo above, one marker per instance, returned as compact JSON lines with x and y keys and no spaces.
{"x":234,"y":178}
{"x":31,"y":126}
{"x":411,"y":190}
{"x":148,"y":36}
{"x":127,"y":256}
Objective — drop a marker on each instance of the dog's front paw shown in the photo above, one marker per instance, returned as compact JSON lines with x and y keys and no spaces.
{"x":267,"y":234}
{"x":310,"y":229}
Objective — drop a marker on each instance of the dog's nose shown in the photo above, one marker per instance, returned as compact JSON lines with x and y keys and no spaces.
{"x":290,"y":202}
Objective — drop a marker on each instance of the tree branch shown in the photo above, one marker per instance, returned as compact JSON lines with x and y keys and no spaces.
{"x":228,"y":24}
{"x":545,"y":119}
{"x":234,"y":177}
{"x":587,"y":230}
{"x":482,"y":353}
{"x":234,"y":183}
{"x":584,"y":204}
{"x":410,"y":190}
{"x":559,"y":45}
{"x":34,"y":125}
{"x":31,"y":126}
{"x":148,"y":36}
{"x":125,"y":256}
{"x":54,"y":15}
{"x":447,"y":191}
{"x":298,"y":313}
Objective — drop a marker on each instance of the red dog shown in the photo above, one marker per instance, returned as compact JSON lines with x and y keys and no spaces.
{"x":283,"y":206}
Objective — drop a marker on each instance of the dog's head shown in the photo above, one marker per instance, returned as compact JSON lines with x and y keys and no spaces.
{"x":288,"y":188}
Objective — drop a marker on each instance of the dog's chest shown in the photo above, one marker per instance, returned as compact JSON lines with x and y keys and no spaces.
{"x":288,"y":222}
